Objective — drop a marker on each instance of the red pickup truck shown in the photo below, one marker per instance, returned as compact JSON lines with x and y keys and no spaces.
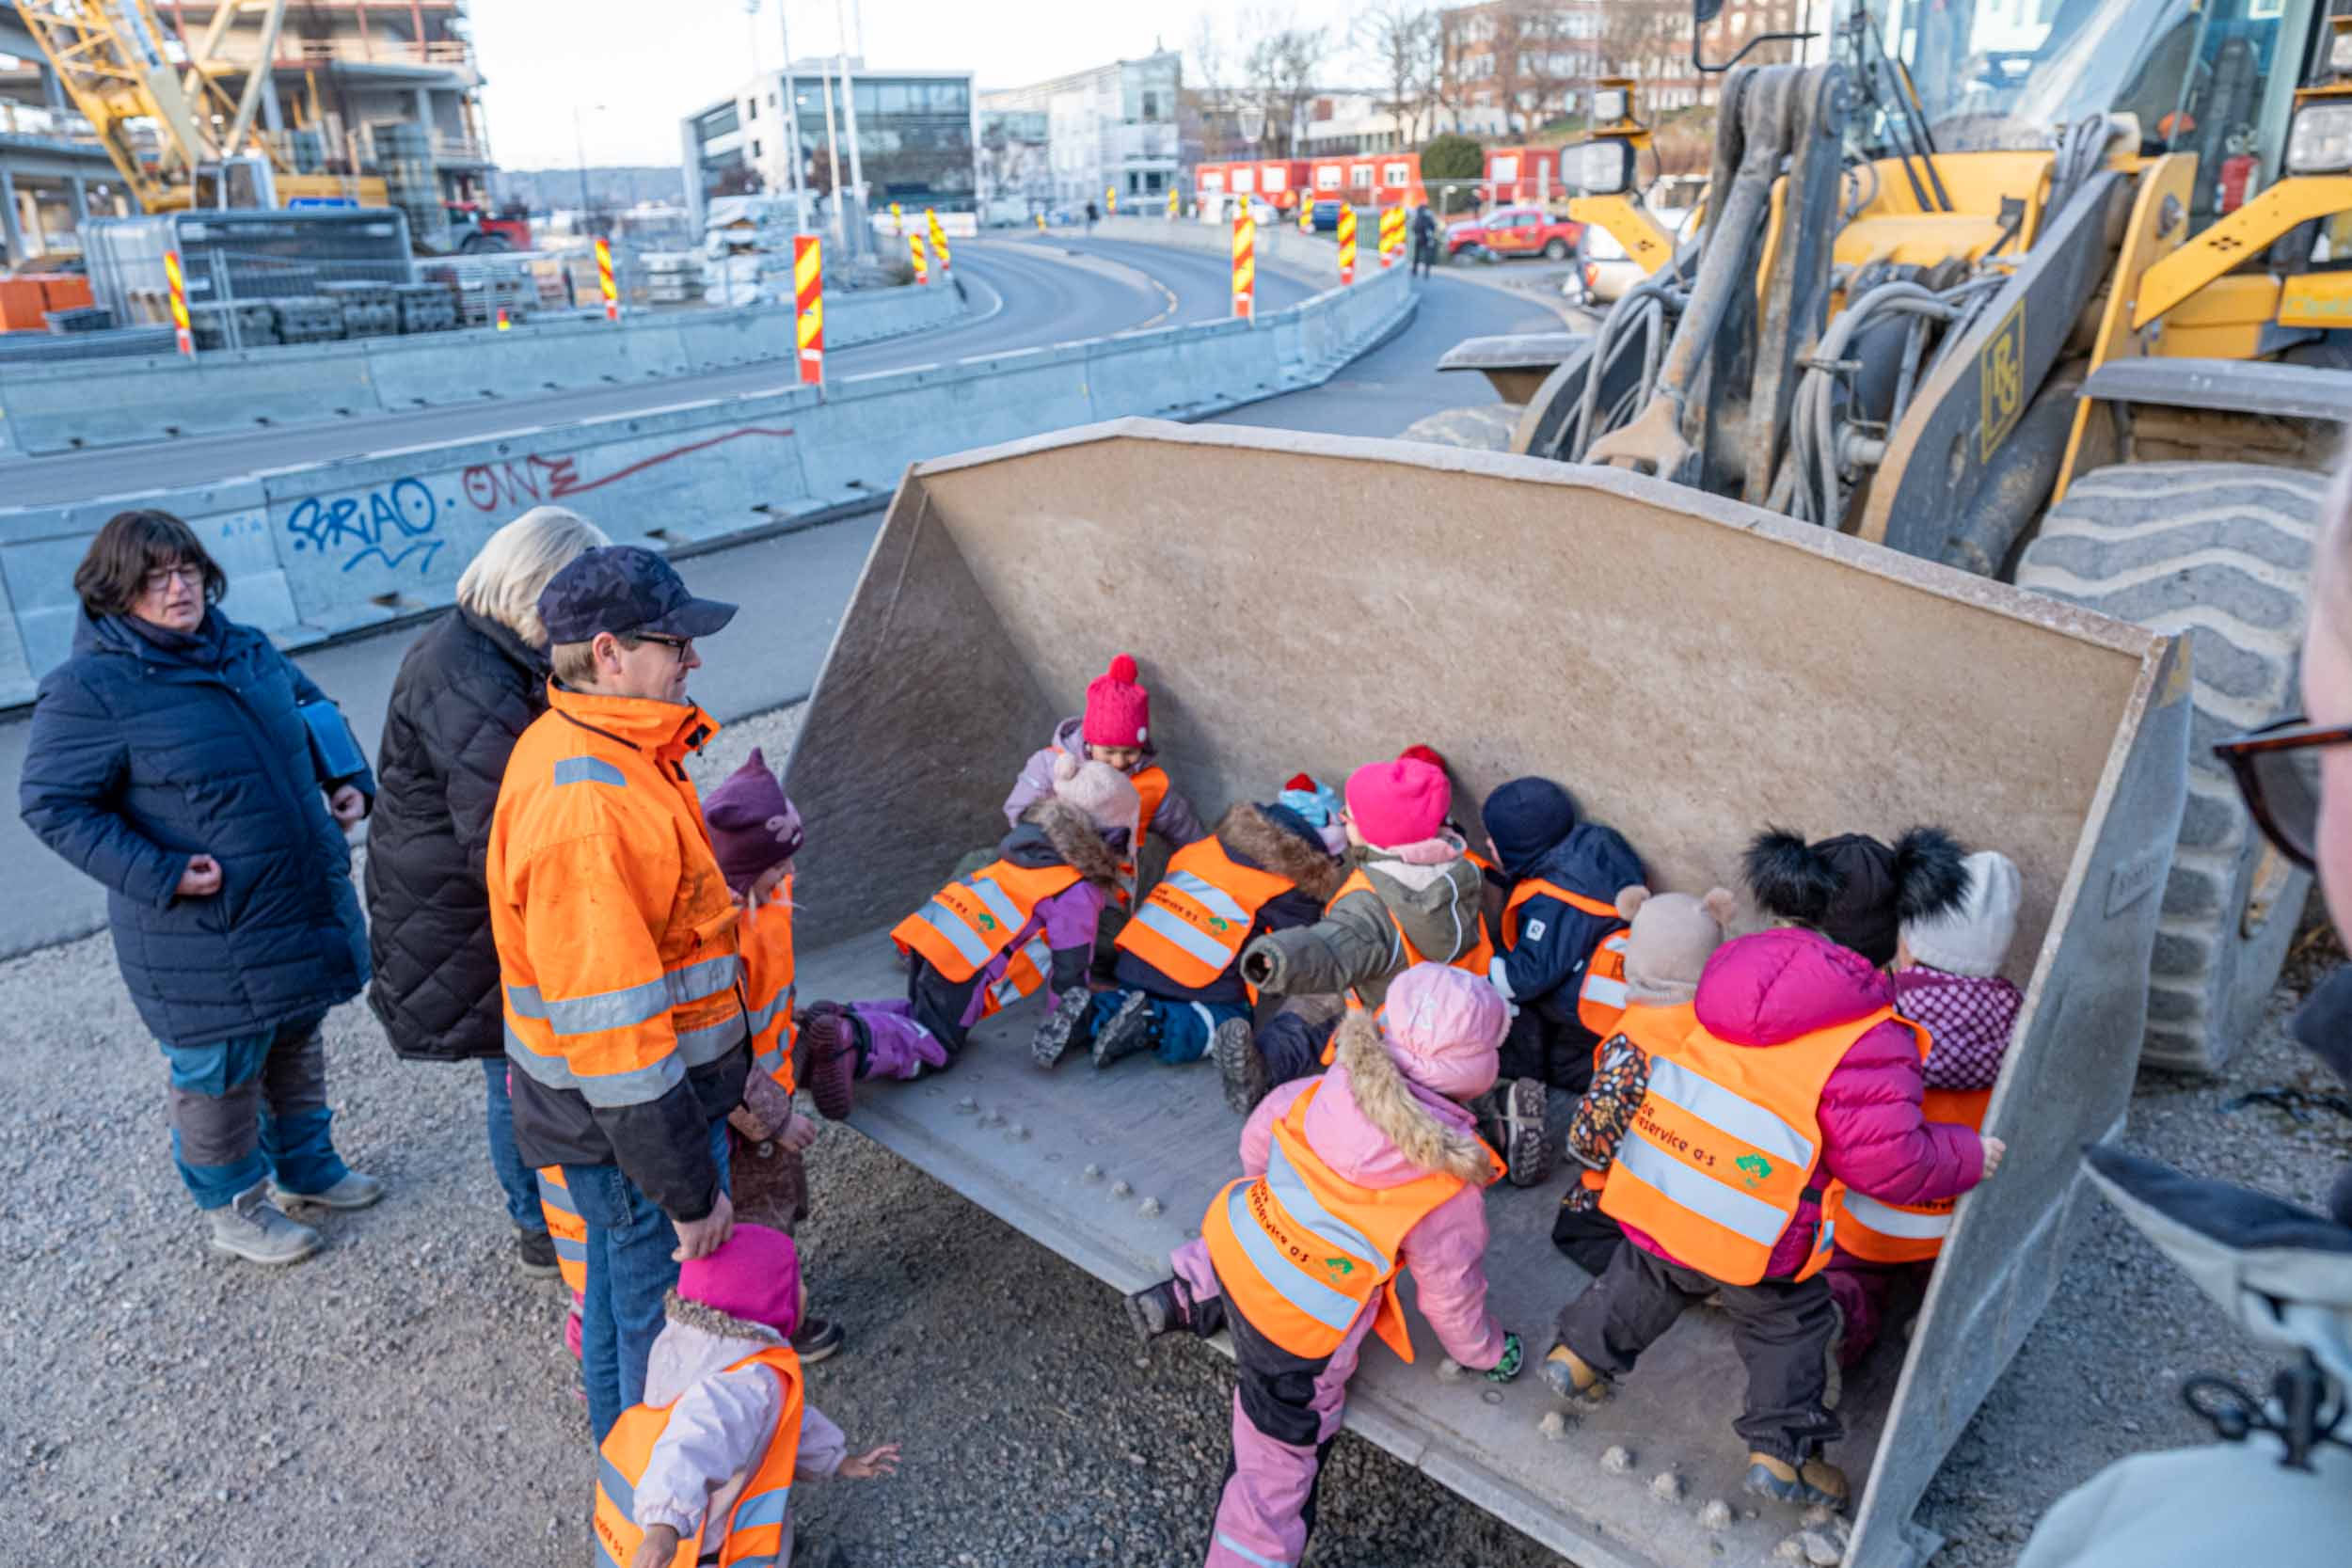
{"x":1509,"y":231}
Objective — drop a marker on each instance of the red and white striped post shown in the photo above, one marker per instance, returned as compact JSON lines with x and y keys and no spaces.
{"x":604,"y":279}
{"x":1347,"y":245}
{"x":1245,"y":264}
{"x":179,"y":303}
{"x":808,"y":295}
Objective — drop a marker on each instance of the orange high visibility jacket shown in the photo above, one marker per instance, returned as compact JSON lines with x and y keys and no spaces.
{"x":1724,"y":1144}
{"x":1151,"y":789}
{"x":766,"y":941}
{"x":973,"y":918}
{"x":1601,"y":999}
{"x":756,"y":1526}
{"x":1881,"y":1232}
{"x":1199,"y":914}
{"x":1301,"y":1250}
{"x":565,"y":1229}
{"x":616,"y":937}
{"x":1478,"y":961}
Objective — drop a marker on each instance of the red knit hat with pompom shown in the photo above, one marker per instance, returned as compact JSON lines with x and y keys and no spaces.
{"x":1118,"y":712}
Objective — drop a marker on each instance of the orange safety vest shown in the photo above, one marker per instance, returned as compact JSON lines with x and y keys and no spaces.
{"x":1601,"y":1002}
{"x":1881,"y":1232}
{"x":1302,"y":1250}
{"x":1649,"y":1019}
{"x":1478,"y":961}
{"x":565,"y":1229}
{"x":1200,"y":913}
{"x":973,"y":918}
{"x":1724,"y":1145}
{"x":767,"y":948}
{"x":756,"y":1526}
{"x":1151,"y":789}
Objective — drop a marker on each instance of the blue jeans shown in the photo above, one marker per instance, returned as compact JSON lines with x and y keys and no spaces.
{"x":1180,"y":1030}
{"x":252,"y":1107}
{"x":1293,"y":1048}
{"x":629,"y":1271}
{"x":518,"y":1182}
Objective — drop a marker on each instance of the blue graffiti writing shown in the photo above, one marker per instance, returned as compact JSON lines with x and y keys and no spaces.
{"x":393,"y":526}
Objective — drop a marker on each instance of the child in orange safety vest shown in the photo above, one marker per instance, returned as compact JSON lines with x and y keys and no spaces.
{"x":1946,"y":980}
{"x":1350,"y":1176}
{"x":1024,"y":922}
{"x":703,"y":1470}
{"x":1177,"y":981}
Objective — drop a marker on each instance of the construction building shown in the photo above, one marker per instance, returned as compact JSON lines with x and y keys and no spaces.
{"x":915,"y":137}
{"x":53,"y":172}
{"x":1111,"y":128}
{"x":1511,"y":66}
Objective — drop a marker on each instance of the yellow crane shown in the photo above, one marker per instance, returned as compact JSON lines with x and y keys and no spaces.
{"x":109,"y":55}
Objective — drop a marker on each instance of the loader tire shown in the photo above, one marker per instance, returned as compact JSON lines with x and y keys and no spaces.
{"x":2221,"y":553}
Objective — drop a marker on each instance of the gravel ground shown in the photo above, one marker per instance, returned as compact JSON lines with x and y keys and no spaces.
{"x":405,"y":1397}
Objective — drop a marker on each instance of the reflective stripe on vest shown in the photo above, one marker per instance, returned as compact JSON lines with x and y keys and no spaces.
{"x":1602,"y":996}
{"x":1023,"y":975}
{"x":766,"y":942}
{"x":1906,"y":1224}
{"x":565,"y":1229}
{"x":973,"y":918}
{"x":754,"y":1527}
{"x":1881,"y":1232}
{"x":1720,"y":1154}
{"x":1199,"y":914}
{"x":1151,"y":789}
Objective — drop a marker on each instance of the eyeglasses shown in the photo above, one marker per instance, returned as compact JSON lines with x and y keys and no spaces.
{"x":678,"y":645}
{"x":2278,"y":774}
{"x":164,"y":577}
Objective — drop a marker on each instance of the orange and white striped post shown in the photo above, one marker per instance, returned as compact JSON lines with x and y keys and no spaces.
{"x":808,"y":295}
{"x":604,"y":279}
{"x":1347,"y":245}
{"x":1392,"y":236}
{"x":914,"y":250}
{"x":1245,"y":264}
{"x":179,"y":282}
{"x":939,"y":242}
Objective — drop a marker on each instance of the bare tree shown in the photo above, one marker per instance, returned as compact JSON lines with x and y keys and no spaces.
{"x":1637,"y":35}
{"x":1211,"y":93}
{"x":1400,"y":41}
{"x":1280,"y":68}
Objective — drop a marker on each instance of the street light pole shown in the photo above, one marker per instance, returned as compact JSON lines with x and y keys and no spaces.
{"x":849,"y":110}
{"x":832,"y":151}
{"x":792,"y":119}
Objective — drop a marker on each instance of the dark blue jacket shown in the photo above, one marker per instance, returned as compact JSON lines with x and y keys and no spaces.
{"x":143,"y":754}
{"x":1253,"y":839}
{"x":1546,"y":969}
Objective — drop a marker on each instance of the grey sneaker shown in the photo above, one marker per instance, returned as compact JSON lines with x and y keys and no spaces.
{"x":1238,"y":1064}
{"x":1127,"y":1031}
{"x":254,"y":1229}
{"x":354,"y":1191}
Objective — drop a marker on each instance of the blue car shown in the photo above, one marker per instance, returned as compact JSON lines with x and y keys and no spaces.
{"x":1327,"y":216}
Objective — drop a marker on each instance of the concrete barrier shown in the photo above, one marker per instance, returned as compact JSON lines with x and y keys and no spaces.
{"x":319,"y":550}
{"x":69,"y":407}
{"x":1279,"y":245}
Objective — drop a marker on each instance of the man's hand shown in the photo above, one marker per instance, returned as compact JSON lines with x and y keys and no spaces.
{"x":656,"y":1550}
{"x":869,"y":1465}
{"x":797,"y":1134}
{"x":202,"y":879}
{"x":701,"y":1238}
{"x":348,"y":805}
{"x":1995,"y":1151}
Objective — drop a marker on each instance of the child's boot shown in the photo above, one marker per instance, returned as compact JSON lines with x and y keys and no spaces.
{"x":1133,"y":1027}
{"x":1815,"y":1482}
{"x":1511,"y":1115}
{"x":1569,"y":1374}
{"x":1063,"y":1026}
{"x":1164,"y":1307}
{"x":1239,"y":1065}
{"x":832,"y":1058}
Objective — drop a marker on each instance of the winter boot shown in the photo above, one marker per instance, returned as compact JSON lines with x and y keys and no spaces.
{"x":818,"y":1339}
{"x":1063,"y":1026}
{"x":1239,"y":1065}
{"x":254,"y":1229}
{"x":535,"y":1253}
{"x":1568,"y":1374}
{"x":832,"y":1058}
{"x":1135,"y":1027}
{"x":354,"y":1191}
{"x":1511,"y":1117}
{"x":1817,"y":1482}
{"x":1160,"y":1309}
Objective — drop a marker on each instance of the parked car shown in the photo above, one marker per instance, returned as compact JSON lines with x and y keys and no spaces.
{"x":1510,"y":231}
{"x":1326,"y":216}
{"x":1220,"y":208}
{"x":1465,"y":234}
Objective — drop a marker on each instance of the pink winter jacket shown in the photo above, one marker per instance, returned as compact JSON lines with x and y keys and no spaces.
{"x":1768,"y":988}
{"x":1446,"y":1251}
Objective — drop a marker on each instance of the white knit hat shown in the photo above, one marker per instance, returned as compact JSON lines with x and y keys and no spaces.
{"x":1973,"y":936}
{"x":1103,"y":792}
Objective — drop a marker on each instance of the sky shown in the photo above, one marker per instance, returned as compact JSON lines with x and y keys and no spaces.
{"x":633,"y":82}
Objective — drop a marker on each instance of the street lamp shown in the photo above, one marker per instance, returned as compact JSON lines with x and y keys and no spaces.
{"x":580,"y":145}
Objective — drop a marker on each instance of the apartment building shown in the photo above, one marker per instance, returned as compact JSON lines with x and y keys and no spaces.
{"x":1511,"y":66}
{"x":1111,"y":128}
{"x":915,"y":137}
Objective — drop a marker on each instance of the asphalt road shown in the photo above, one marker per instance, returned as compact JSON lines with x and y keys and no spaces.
{"x":1022,"y":295}
{"x":792,"y":587}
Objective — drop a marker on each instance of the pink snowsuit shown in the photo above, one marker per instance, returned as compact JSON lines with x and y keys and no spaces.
{"x":1263,"y":1514}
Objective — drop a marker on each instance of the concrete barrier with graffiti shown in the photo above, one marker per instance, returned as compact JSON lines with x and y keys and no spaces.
{"x":86,"y":403}
{"x":317,"y":552}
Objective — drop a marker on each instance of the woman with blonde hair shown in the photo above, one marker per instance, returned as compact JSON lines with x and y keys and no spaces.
{"x":467,"y":688}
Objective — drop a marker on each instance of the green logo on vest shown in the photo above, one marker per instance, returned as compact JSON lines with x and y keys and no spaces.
{"x":1757,"y":1168}
{"x":1340,"y":1266}
{"x":1218,"y":925}
{"x":988,"y":922}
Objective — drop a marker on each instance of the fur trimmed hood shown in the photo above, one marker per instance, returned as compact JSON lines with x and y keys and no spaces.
{"x":1248,"y":833}
{"x":1395,"y":1108}
{"x":709,"y":1319}
{"x":1055,"y":831}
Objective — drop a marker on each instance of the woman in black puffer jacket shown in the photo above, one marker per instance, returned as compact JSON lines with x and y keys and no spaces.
{"x":467,"y":689}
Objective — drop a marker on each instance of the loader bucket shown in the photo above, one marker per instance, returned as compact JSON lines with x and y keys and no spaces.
{"x":1691,"y":667}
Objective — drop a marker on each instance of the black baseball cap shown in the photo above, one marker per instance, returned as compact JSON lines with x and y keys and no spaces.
{"x":627,"y":590}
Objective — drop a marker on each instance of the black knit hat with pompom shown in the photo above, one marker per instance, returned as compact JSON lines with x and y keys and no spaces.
{"x":1853,"y":889}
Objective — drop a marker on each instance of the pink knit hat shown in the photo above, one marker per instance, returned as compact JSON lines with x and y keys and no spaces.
{"x":754,"y":1275}
{"x":1118,"y":712}
{"x":1400,"y":802}
{"x":1103,"y":792}
{"x":753,"y":827}
{"x":1442,"y":1026}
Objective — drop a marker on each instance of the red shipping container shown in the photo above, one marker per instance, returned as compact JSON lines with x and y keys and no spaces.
{"x":21,"y":306}
{"x":1280,"y":179}
{"x":65,"y":291}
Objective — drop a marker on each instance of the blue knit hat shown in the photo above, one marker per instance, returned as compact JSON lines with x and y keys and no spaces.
{"x":1526,"y":818}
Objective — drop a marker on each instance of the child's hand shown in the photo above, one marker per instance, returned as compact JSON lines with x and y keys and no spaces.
{"x":797,"y":1134}
{"x":1514,"y":1357}
{"x":870,"y":1465}
{"x":656,"y":1550}
{"x":1994,"y":1152}
{"x":747,"y":1121}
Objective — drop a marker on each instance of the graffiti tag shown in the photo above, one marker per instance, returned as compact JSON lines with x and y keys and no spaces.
{"x":534,"y":481}
{"x":393,"y":526}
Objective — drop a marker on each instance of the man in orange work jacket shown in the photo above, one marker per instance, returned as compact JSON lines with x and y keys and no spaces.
{"x":616,"y":939}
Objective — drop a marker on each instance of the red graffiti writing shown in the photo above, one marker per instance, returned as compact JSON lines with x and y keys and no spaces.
{"x":532,"y":481}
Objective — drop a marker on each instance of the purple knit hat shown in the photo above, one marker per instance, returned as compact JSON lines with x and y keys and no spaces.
{"x":753,"y":827}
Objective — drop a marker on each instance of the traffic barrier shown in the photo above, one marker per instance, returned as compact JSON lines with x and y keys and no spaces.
{"x":68,"y":406}
{"x":317,"y":552}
